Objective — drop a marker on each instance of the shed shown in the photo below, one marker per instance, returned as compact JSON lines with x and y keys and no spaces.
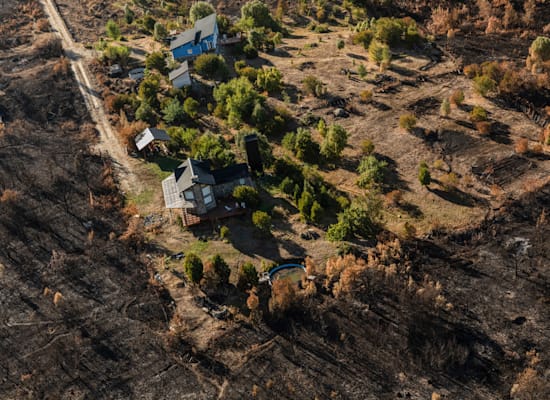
{"x":180,"y":76}
{"x":150,"y":135}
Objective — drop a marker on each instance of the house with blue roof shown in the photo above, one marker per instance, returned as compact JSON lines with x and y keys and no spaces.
{"x":202,"y":38}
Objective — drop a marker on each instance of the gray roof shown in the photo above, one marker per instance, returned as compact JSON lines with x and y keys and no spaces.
{"x":205,"y":26}
{"x":182,"y":69}
{"x":171,"y":193}
{"x":150,"y":134}
{"x":192,"y":172}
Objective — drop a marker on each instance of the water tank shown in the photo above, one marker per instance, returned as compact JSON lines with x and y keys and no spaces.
{"x":253,"y":156}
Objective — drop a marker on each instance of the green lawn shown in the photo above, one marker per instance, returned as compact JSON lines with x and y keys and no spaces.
{"x":162,"y":166}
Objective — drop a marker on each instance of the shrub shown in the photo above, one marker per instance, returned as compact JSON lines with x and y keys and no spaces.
{"x":269,"y":79}
{"x":540,"y":49}
{"x":248,"y":195}
{"x":407,"y":122}
{"x":334,"y":142}
{"x":221,"y":268}
{"x":483,"y":127}
{"x":262,"y":221}
{"x":250,"y":51}
{"x":478,"y":113}
{"x":287,"y":186}
{"x":129,"y":15}
{"x":149,"y":88}
{"x":379,"y":53}
{"x":304,"y":205}
{"x":112,"y":30}
{"x":367,"y":147}
{"x":193,"y":267}
{"x":483,"y":85}
{"x":316,"y":212}
{"x":371,"y":171}
{"x":148,"y":23}
{"x":313,"y":86}
{"x":424,"y":175}
{"x":362,"y":71}
{"x":117,"y":54}
{"x":340,"y":44}
{"x":248,"y":277}
{"x":457,"y":98}
{"x":472,"y":70}
{"x":48,"y":46}
{"x":304,"y":146}
{"x":445,"y":109}
{"x":394,"y":197}
{"x":173,"y":112}
{"x":191,"y":107}
{"x":236,"y":99}
{"x":145,"y":112}
{"x":249,"y":73}
{"x":366,"y":96}
{"x":364,"y":38}
{"x":156,"y":61}
{"x":199,"y":10}
{"x":211,"y":66}
{"x":181,"y":137}
{"x":225,"y":232}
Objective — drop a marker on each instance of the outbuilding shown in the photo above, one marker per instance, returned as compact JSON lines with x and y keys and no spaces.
{"x":180,"y":76}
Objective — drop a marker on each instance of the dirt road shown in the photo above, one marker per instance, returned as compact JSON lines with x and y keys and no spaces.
{"x":109,"y":142}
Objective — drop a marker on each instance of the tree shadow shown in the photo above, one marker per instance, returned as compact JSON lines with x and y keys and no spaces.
{"x":457,"y":196}
{"x":402,"y":71}
{"x":500,"y":133}
{"x":412,"y":209}
{"x":380,"y":106}
{"x":392,"y":180}
{"x":356,"y":56}
{"x":465,"y":124}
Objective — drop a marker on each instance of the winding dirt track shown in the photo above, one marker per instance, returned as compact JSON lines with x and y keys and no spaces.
{"x":109,"y":142}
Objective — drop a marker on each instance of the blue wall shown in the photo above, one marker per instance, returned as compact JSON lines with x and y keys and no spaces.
{"x":196,"y":50}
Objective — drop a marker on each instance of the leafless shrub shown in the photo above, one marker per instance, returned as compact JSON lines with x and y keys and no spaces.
{"x":483,"y":127}
{"x":9,"y":196}
{"x":442,"y":20}
{"x":42,"y":25}
{"x":57,"y":297}
{"x":48,"y":46}
{"x":521,"y":146}
{"x":61,"y":67}
{"x":493,"y":25}
{"x":129,"y":131}
{"x":394,"y":197}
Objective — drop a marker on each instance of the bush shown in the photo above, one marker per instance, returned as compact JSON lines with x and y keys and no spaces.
{"x":149,"y":88}
{"x":367,"y":147}
{"x":181,"y":138}
{"x":362,"y":71}
{"x":379,"y":53}
{"x":112,"y":30}
{"x":304,"y":147}
{"x":483,"y":85}
{"x":193,"y":267}
{"x":148,"y":23}
{"x":424,"y":175}
{"x":256,"y":14}
{"x":173,"y":112}
{"x":225,"y":232}
{"x":316,"y":212}
{"x":248,"y":195}
{"x":128,"y":14}
{"x":117,"y":54}
{"x":156,"y":60}
{"x":236,"y":99}
{"x":366,"y":96}
{"x":483,"y":127}
{"x":407,"y":122}
{"x":199,"y":10}
{"x":221,"y":268}
{"x":540,"y":49}
{"x":211,"y":66}
{"x":457,"y":98}
{"x":159,"y":32}
{"x":478,"y":113}
{"x":191,"y":107}
{"x":145,"y":112}
{"x":364,"y":38}
{"x":262,"y":221}
{"x":249,"y":73}
{"x":248,"y":277}
{"x":250,"y":51}
{"x":340,"y":44}
{"x":304,"y":205}
{"x":371,"y":171}
{"x":287,"y":186}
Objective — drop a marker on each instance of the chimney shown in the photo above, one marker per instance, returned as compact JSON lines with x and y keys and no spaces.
{"x":197,"y":37}
{"x":253,"y":155}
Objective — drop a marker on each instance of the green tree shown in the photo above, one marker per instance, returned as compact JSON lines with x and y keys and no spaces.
{"x":269,"y":79}
{"x":478,"y":114}
{"x":129,"y":14}
{"x":193,"y":267}
{"x":316,"y":212}
{"x":313,"y":86}
{"x":255,"y":13}
{"x":117,"y":54}
{"x":424,"y":176}
{"x":362,"y":70}
{"x":191,"y":107}
{"x":248,"y":277}
{"x":361,"y":218}
{"x":221,"y":268}
{"x":371,"y":171}
{"x":262,"y":221}
{"x":159,"y":31}
{"x":213,"y":148}
{"x":304,"y":205}
{"x":237,"y":99}
{"x":540,"y":49}
{"x":287,"y":186}
{"x":145,"y":112}
{"x":334,"y":142}
{"x":173,"y":112}
{"x":156,"y":61}
{"x":211,"y":66}
{"x":149,"y":88}
{"x":305,"y":147}
{"x":148,"y":23}
{"x":445,"y":109}
{"x":199,"y":10}
{"x":248,"y":195}
{"x":340,"y":44}
{"x":379,"y":53}
{"x":112,"y":30}
{"x":181,"y":137}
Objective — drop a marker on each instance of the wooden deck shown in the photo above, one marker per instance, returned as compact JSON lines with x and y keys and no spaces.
{"x":216,"y":214}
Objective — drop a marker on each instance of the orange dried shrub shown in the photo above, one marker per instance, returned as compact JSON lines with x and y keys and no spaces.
{"x":129,"y":131}
{"x":442,"y":20}
{"x":42,"y":25}
{"x":61,"y":67}
{"x":253,"y":301}
{"x":9,"y":196}
{"x":483,"y":127}
{"x":394,"y":197}
{"x":521,"y":146}
{"x":283,"y":296}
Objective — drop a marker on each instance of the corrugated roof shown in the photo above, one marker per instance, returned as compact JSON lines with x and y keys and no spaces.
{"x":182,"y":69}
{"x":171,"y":193}
{"x":205,"y":26}
{"x":150,"y":134}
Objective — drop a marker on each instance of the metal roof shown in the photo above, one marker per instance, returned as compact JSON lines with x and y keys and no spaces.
{"x":182,"y":69}
{"x":204,"y":26}
{"x":150,"y":134}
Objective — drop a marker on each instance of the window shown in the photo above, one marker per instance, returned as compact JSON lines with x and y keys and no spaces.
{"x":189,"y":195}
{"x":208,"y":199}
{"x":206,"y":190}
{"x":190,"y":51}
{"x":241,"y":181}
